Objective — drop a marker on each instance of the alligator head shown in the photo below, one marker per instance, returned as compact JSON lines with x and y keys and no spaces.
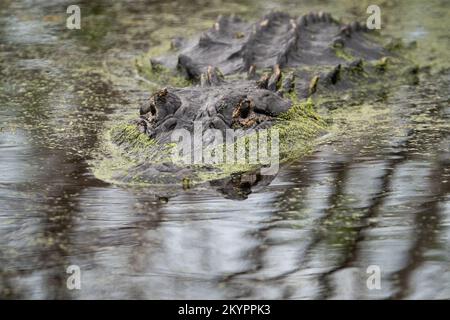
{"x":245,"y":75}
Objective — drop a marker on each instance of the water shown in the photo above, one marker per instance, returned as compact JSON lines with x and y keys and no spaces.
{"x":377,"y":195}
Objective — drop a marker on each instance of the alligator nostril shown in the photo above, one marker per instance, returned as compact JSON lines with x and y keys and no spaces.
{"x":245,"y":109}
{"x":242,"y":110}
{"x":152,"y":109}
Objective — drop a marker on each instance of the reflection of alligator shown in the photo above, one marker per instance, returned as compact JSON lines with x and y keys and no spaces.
{"x":245,"y":75}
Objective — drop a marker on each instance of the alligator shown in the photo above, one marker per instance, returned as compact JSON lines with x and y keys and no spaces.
{"x":253,"y":76}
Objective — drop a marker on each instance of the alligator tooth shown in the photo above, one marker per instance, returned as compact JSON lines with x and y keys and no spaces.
{"x":313,"y":85}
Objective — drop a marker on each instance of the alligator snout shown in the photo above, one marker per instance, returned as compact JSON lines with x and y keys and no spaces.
{"x":239,"y":105}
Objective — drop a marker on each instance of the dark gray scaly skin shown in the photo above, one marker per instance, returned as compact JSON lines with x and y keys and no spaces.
{"x":306,"y":49}
{"x":228,"y":65}
{"x":235,"y":46}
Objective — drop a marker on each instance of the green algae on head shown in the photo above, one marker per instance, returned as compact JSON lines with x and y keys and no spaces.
{"x":125,"y":148}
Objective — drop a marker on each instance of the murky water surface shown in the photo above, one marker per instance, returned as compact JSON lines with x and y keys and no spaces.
{"x":377,"y":196}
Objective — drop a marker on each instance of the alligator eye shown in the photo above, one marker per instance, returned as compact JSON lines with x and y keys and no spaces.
{"x":172,"y":126}
{"x":150,"y":107}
